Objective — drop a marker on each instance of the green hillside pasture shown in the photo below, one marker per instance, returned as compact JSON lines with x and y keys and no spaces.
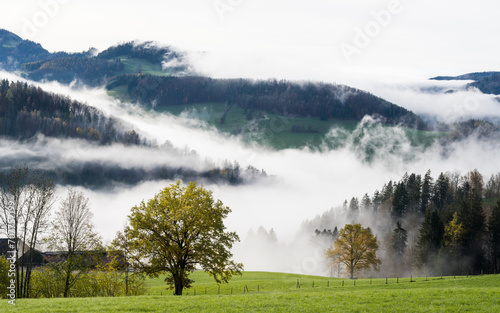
{"x":135,"y":65}
{"x":120,"y":93}
{"x":279,"y":293}
{"x":281,"y":132}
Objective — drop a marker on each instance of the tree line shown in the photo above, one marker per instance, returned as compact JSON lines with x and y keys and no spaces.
{"x":26,"y":110}
{"x":90,"y":70}
{"x":173,"y":233}
{"x":147,"y":51}
{"x":96,"y":70}
{"x":95,"y":175}
{"x":326,"y":101}
{"x":447,"y":225}
{"x":78,"y":264}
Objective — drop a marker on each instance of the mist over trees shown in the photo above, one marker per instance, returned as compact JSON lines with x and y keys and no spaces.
{"x":448,"y":225}
{"x":355,"y":248}
{"x":176,"y":231}
{"x":325,"y":101}
{"x":27,"y":110}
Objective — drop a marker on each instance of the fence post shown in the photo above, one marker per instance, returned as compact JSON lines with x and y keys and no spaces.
{"x":195,"y":292}
{"x":386,"y":280}
{"x":354,"y":282}
{"x":313,"y":283}
{"x":328,"y":283}
{"x":298,"y":285}
{"x":397,"y":280}
{"x":342,"y":283}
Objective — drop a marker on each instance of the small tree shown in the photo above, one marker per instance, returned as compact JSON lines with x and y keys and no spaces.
{"x":179,"y":228}
{"x":73,"y":236}
{"x":356,"y":248}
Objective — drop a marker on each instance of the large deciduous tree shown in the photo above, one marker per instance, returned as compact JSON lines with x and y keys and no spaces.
{"x":178,"y":229}
{"x":355,"y":247}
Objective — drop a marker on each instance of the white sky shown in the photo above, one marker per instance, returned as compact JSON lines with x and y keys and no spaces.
{"x":280,"y":38}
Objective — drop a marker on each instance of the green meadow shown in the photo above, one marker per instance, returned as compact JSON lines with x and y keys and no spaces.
{"x":277,"y":292}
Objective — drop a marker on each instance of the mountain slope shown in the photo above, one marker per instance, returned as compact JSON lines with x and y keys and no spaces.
{"x":93,"y":69}
{"x":486,"y":82}
{"x":45,"y":130}
{"x":324,"y":101}
{"x":470,"y":76}
{"x":14,"y":52}
{"x":26,"y":111}
{"x":131,"y":57}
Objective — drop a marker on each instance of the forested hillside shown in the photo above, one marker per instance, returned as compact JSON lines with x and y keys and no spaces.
{"x":449,"y":225}
{"x":36,"y":63}
{"x":469,"y":76}
{"x":130,"y":57}
{"x":14,"y":52}
{"x":153,"y":74}
{"x":489,"y":84}
{"x":27,"y":110}
{"x":486,"y":82}
{"x":326,"y":101}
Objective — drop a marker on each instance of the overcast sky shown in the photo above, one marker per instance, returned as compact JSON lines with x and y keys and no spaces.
{"x":344,"y":41}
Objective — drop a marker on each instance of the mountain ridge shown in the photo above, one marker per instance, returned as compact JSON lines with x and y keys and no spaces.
{"x":125,"y":61}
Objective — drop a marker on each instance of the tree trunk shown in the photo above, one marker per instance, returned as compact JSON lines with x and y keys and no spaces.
{"x":66,"y":284}
{"x":178,"y":289}
{"x":352,"y":269}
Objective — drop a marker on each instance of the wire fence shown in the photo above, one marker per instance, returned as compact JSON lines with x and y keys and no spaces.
{"x":310,"y":284}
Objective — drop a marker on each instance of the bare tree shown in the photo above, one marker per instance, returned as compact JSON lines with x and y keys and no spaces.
{"x":74,"y":238}
{"x":26,"y":198}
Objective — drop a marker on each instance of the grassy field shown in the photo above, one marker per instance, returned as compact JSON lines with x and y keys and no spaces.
{"x":276,"y":292}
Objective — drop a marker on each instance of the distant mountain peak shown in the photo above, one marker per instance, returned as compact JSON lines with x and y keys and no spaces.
{"x":469,"y":76}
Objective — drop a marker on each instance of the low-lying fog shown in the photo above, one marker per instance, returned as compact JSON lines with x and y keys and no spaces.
{"x":301,"y":184}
